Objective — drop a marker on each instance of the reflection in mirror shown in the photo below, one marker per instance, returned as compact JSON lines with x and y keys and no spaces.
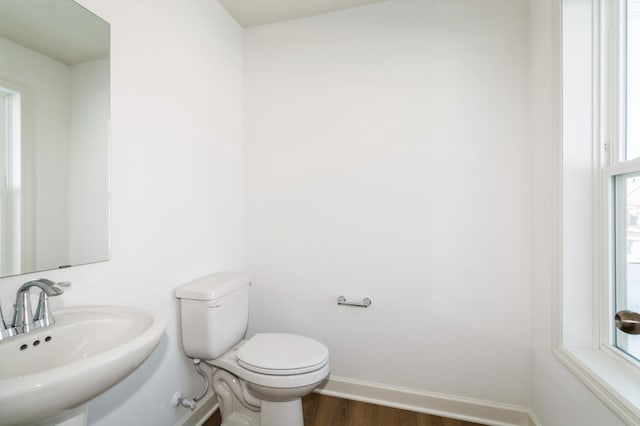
{"x":54,"y":116}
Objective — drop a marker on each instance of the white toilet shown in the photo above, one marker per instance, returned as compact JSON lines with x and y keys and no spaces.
{"x":259,"y":381}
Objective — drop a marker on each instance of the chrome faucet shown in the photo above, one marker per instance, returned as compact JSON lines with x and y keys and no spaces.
{"x":23,"y":319}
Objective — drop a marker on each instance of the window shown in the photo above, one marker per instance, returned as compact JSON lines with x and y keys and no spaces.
{"x":600,"y":207}
{"x":626,"y":240}
{"x":632,"y":79}
{"x":622,"y":130}
{"x":10,"y":170}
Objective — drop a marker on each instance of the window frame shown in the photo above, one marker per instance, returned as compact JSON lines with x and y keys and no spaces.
{"x":611,"y":375}
{"x":612,"y":139}
{"x":10,"y":209}
{"x":608,"y":281}
{"x":25,"y":200}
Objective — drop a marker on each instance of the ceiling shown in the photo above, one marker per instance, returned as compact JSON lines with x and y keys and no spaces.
{"x":62,"y":30}
{"x":249,"y":13}
{"x":71,"y":34}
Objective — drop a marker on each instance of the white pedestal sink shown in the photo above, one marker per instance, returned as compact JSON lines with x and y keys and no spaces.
{"x":51,"y":371}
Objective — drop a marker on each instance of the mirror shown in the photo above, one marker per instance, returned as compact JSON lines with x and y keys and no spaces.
{"x":54,"y":136}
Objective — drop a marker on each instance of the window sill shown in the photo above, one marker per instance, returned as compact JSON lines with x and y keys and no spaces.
{"x":612,"y":379}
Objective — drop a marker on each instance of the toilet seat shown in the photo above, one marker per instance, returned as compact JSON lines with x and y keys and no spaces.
{"x":281,"y":354}
{"x":229,"y":362}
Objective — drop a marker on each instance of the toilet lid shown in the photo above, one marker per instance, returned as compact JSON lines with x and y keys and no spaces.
{"x":282,"y":354}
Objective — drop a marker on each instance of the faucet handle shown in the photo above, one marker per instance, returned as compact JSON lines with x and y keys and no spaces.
{"x":53,"y":288}
{"x":3,"y":323}
{"x":43,"y":316}
{"x":62,"y":285}
{"x":6,"y":330}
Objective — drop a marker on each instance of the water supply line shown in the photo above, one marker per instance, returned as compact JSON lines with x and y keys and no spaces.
{"x":191,"y":403}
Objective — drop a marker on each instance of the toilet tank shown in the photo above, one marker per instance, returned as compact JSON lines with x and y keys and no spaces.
{"x":214,"y":312}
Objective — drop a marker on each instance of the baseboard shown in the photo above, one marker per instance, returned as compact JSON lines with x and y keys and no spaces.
{"x":534,"y":421}
{"x":477,"y":411}
{"x":484,"y":412}
{"x":207,"y":406}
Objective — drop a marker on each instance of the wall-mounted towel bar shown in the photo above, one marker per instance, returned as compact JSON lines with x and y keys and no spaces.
{"x":366,"y":302}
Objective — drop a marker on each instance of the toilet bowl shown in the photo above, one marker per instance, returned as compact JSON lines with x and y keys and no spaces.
{"x":259,"y":381}
{"x":274,"y":369}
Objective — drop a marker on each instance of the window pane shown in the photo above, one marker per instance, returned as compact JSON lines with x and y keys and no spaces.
{"x":5,"y":107}
{"x":633,"y":80}
{"x":627,"y":236}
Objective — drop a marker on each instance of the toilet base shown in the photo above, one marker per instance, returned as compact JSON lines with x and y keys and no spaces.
{"x":287,"y":413}
{"x":272,"y":414}
{"x":237,"y":419}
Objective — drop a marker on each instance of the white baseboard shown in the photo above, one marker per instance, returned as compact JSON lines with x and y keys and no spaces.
{"x":534,"y":420}
{"x":203,"y":411}
{"x":477,"y":411}
{"x":484,"y":412}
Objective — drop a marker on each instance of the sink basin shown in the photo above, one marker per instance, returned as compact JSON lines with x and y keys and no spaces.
{"x":52,"y":370}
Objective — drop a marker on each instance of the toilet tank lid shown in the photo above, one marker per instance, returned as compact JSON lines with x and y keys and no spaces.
{"x":212,"y":286}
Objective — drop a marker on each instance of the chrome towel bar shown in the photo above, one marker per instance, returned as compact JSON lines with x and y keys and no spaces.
{"x":366,"y":302}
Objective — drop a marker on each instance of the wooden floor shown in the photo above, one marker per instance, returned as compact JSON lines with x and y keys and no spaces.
{"x":322,"y":410}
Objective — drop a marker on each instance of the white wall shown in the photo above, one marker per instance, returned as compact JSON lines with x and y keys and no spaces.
{"x":557,"y":397}
{"x":47,"y":83}
{"x":387,"y":158}
{"x":88,"y":170}
{"x":176,"y":181}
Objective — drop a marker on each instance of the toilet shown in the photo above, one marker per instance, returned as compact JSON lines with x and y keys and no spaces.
{"x":259,"y":381}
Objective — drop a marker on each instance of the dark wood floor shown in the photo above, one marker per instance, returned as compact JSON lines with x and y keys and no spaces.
{"x":323,"y":410}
